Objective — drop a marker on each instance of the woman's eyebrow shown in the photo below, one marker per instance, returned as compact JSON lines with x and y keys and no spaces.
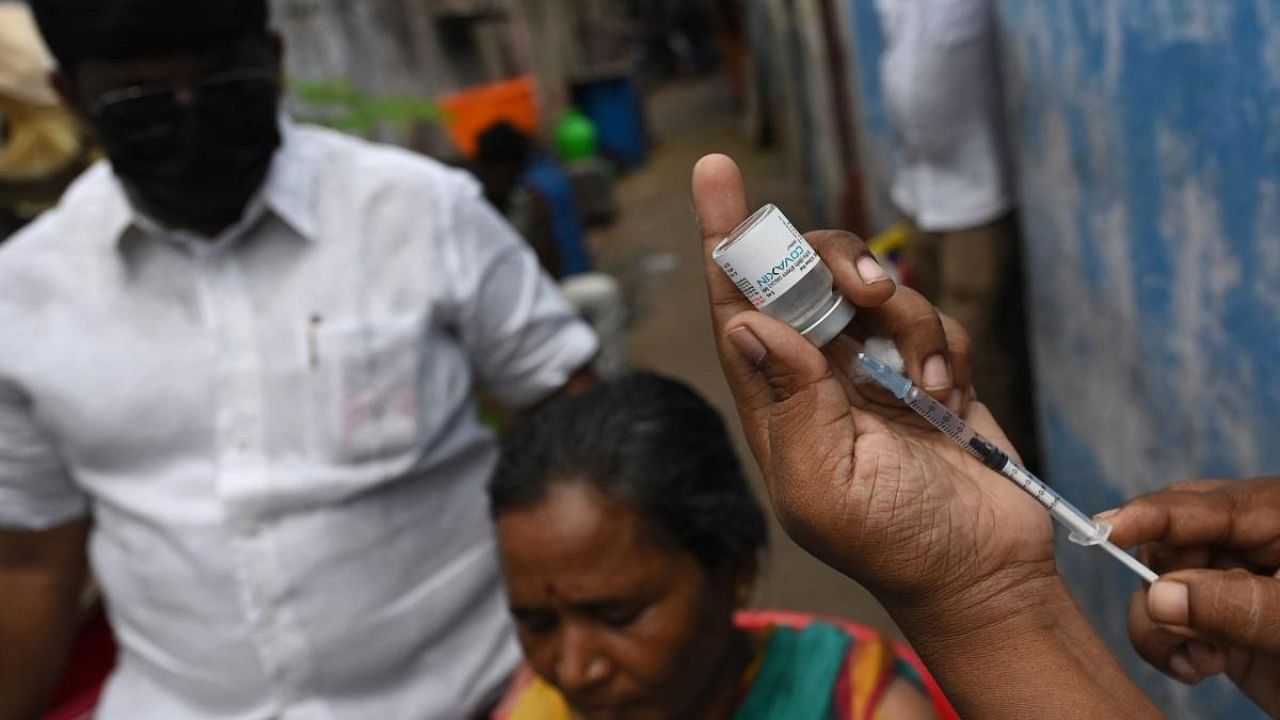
{"x":613,"y":602}
{"x":528,"y":610}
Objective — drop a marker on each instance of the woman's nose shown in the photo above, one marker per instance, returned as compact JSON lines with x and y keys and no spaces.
{"x":580,"y":663}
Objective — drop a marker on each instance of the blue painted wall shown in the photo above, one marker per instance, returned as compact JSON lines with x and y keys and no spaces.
{"x":1147,"y":136}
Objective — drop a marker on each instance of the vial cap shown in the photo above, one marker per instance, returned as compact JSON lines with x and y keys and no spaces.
{"x":831,"y":323}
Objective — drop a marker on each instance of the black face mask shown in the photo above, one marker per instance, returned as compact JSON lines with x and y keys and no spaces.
{"x":193,"y":155}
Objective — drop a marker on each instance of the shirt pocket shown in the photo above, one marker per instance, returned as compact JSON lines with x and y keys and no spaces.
{"x":366,"y":388}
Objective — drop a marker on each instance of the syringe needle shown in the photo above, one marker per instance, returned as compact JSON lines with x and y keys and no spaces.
{"x":1131,"y":562}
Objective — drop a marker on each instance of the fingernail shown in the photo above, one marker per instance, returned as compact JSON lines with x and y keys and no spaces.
{"x":1105,"y":516}
{"x":955,"y":401}
{"x":748,"y":345}
{"x":870,"y":271}
{"x":1167,"y":601}
{"x":1182,"y":667}
{"x":937,"y":376}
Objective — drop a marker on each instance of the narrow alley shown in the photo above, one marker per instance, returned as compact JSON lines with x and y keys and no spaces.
{"x":672,"y":332}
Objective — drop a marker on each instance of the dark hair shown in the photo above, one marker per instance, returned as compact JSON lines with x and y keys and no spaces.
{"x":651,"y":443}
{"x":79,"y":30}
{"x":503,"y":142}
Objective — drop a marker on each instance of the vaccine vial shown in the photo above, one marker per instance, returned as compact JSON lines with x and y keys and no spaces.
{"x":782,"y":275}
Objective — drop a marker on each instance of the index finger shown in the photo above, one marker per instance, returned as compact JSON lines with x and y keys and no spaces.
{"x":1173,"y":517}
{"x":1222,"y":517}
{"x":720,"y":201}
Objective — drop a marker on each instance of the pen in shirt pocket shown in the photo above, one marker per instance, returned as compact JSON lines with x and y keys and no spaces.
{"x":313,"y":348}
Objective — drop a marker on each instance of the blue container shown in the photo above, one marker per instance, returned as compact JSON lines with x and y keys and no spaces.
{"x":613,"y":104}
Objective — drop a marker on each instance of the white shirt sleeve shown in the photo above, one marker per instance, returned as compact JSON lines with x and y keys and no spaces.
{"x":523,"y":337}
{"x":36,"y":490}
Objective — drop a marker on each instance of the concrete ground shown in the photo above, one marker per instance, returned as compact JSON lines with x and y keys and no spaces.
{"x":672,"y":335}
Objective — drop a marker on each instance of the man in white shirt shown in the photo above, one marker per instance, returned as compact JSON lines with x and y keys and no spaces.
{"x":238,"y":360}
{"x":953,"y":183}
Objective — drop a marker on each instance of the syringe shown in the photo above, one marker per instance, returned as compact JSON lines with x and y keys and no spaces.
{"x":1084,"y":529}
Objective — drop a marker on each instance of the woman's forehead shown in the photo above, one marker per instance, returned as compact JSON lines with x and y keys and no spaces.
{"x":585,"y":542}
{"x":574,"y":521}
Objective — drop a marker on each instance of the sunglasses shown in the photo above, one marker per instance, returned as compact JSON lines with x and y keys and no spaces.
{"x":138,"y":113}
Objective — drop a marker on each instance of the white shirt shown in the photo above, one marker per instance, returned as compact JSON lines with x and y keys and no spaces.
{"x":275,"y":434}
{"x":942,"y":91}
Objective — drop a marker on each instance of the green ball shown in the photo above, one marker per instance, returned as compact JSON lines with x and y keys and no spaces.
{"x":576,"y":136}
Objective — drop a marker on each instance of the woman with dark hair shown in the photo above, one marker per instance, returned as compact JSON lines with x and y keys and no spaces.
{"x":629,"y":540}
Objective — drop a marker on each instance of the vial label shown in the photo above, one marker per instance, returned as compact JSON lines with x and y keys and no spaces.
{"x":768,"y":260}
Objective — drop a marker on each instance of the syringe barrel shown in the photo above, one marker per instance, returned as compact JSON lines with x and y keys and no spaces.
{"x":1084,"y":529}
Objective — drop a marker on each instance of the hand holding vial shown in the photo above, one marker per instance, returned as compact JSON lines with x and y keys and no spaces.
{"x":807,"y":420}
{"x":866,"y":485}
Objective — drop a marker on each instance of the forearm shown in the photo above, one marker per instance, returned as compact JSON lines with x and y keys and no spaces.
{"x":41,"y":579}
{"x":37,"y":622}
{"x":1018,"y":651}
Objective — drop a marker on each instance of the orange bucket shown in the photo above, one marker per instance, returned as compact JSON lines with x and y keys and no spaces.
{"x":470,"y":112}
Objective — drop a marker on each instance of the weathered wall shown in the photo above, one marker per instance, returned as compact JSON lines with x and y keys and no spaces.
{"x":552,"y":50}
{"x":383,"y":47}
{"x":386,"y":47}
{"x":400,"y":48}
{"x":1147,"y":136}
{"x":789,"y":47}
{"x":1149,"y":158}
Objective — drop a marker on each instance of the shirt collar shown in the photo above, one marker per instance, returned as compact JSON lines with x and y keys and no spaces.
{"x":288,"y":192}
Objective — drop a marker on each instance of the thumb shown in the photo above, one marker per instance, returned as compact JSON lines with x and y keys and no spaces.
{"x":1233,"y":607}
{"x":802,"y":387}
{"x":809,"y":427}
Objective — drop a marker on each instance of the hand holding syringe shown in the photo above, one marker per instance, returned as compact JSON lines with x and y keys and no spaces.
{"x":775,"y":268}
{"x":961,"y":558}
{"x":1084,"y":529}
